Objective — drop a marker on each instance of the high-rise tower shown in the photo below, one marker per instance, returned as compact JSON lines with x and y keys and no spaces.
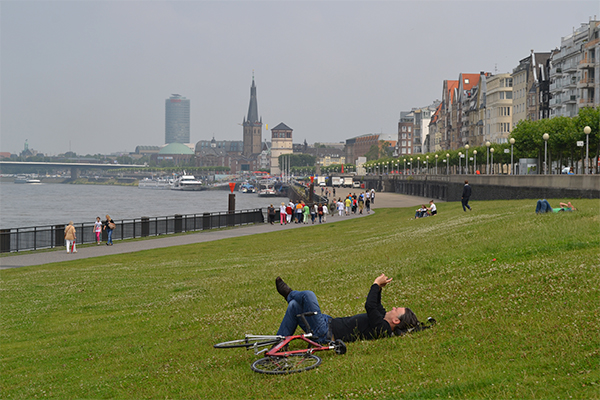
{"x":252,"y":126}
{"x":177,"y":119}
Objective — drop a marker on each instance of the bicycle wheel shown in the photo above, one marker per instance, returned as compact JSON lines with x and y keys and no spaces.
{"x":286,"y":365}
{"x":249,"y":342}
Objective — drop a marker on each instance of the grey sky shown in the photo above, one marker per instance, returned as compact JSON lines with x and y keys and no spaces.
{"x":96,"y":74}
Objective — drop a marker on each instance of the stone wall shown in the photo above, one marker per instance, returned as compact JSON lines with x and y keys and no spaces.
{"x":496,"y":187}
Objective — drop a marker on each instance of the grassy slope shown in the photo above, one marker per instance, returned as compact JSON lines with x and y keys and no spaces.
{"x":142,"y":325}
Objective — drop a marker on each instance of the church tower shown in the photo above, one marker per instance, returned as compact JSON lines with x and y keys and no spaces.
{"x":252,"y":126}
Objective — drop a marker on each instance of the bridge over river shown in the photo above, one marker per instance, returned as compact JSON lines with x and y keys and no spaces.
{"x":75,"y":167}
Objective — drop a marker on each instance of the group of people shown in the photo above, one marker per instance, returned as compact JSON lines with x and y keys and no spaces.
{"x":353,"y":203}
{"x":299,"y":213}
{"x":107,"y":225}
{"x":425,"y":211}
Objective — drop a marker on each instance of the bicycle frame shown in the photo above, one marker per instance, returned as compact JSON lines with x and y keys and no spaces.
{"x":276,"y":351}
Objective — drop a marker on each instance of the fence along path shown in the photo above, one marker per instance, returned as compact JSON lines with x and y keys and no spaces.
{"x":382,"y":200}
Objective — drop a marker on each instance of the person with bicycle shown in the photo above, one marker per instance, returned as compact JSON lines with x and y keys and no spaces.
{"x":374,"y":324}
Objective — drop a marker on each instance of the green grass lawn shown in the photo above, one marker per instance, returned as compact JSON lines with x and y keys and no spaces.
{"x":515,"y":294}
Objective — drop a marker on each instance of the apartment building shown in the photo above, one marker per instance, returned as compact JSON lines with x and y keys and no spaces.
{"x":281,"y":143}
{"x":531,"y":88}
{"x":473,"y":113}
{"x":406,"y":127}
{"x":498,"y":111}
{"x":589,"y":69}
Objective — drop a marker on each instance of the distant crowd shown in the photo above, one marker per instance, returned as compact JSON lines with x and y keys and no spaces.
{"x":302,"y":213}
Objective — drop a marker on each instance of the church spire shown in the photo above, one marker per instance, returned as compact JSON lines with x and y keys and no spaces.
{"x":253,"y":107}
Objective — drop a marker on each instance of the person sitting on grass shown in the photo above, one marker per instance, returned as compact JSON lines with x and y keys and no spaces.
{"x":421,"y":212}
{"x":432,"y":209}
{"x":543,"y":206}
{"x":374,"y":324}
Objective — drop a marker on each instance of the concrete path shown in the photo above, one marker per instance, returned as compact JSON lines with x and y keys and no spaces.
{"x":382,"y":200}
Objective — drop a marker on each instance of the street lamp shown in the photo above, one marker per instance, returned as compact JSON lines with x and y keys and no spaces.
{"x":459,"y":167}
{"x":404,"y":159}
{"x":418,"y":165}
{"x":427,"y":163}
{"x":436,"y":157}
{"x":474,"y":161}
{"x":448,"y":164}
{"x":467,"y":159}
{"x":545,"y":136}
{"x":512,"y":165}
{"x":492,"y":151}
{"x":411,"y":165}
{"x":587,"y":131}
{"x":487,"y":168}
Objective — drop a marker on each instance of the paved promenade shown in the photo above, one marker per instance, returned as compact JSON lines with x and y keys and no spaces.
{"x":382,"y":200}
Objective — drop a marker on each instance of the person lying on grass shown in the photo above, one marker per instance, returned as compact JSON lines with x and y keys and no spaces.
{"x":374,"y":324}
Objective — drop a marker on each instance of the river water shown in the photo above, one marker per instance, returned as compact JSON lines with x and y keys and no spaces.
{"x":24,"y":205}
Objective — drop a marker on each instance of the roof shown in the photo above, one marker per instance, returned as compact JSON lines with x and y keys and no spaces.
{"x":281,"y":127}
{"x":176,"y":148}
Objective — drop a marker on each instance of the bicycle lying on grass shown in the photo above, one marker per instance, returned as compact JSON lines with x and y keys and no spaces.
{"x":279,"y":359}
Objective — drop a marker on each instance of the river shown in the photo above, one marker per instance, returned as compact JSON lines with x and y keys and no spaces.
{"x":25,"y":205}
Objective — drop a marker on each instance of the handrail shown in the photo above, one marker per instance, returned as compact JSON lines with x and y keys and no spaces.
{"x":51,"y":236}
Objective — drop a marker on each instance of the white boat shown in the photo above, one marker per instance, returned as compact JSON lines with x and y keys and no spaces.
{"x":26,"y":179}
{"x":248,"y":188}
{"x":188,"y":183}
{"x":266,"y":189}
{"x":155,"y":183}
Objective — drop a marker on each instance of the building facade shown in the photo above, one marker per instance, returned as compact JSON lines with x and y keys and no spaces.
{"x":281,"y":143}
{"x":177,"y":119}
{"x":406,"y":128}
{"x":498,"y":112}
{"x":531,"y":88}
{"x":252,"y":126}
{"x":574,"y":72}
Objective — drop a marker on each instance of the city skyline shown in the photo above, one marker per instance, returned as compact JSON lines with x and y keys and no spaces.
{"x":91,"y":76}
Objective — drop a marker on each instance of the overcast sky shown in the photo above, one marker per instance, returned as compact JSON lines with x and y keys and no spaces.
{"x":93,"y":76}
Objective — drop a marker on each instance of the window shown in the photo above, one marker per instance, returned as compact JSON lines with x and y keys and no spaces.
{"x":501,"y":95}
{"x":403,"y":150}
{"x":409,"y":150}
{"x":509,"y":82}
{"x":466,"y":81}
{"x":410,"y":128}
{"x":404,"y":143}
{"x":509,"y":95}
{"x":404,"y":136}
{"x":404,"y":129}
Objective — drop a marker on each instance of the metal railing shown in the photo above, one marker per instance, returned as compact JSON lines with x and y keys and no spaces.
{"x":44,"y":237}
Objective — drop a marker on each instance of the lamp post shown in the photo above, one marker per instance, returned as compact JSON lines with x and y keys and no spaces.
{"x":436,"y":170}
{"x":404,"y":159}
{"x":418,"y":165}
{"x":474,"y":161}
{"x":459,"y":167}
{"x":487,"y":168}
{"x":545,"y":136}
{"x":587,"y":131}
{"x":512,"y":165}
{"x":448,"y":164}
{"x":427,"y":164}
{"x":492,"y":151}
{"x":411,"y":165}
{"x":467,"y":159}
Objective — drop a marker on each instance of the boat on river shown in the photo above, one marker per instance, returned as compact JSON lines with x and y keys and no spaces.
{"x":155,"y":183}
{"x":247,"y":188}
{"x":267,"y":188}
{"x":188,"y":183}
{"x":27,"y":179}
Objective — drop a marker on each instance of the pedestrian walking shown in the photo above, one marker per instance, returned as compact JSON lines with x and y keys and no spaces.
{"x":109,"y":227}
{"x":98,"y":230}
{"x":70,"y":237}
{"x":466,"y":194}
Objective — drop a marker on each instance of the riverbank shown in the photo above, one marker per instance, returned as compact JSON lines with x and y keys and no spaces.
{"x":142,"y":325}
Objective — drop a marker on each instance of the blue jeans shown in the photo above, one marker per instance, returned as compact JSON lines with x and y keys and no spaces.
{"x":109,"y":236}
{"x":543,"y":207}
{"x":301,"y":302}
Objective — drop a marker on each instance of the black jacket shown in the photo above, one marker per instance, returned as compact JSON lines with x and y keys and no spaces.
{"x":363,"y":326}
{"x":466,"y":192}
